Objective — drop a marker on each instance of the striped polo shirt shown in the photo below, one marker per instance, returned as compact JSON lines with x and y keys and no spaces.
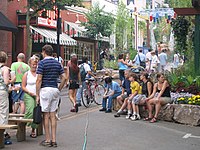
{"x":50,"y":69}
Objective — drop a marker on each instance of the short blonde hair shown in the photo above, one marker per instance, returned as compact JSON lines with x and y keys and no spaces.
{"x":3,"y":57}
{"x":33,"y":58}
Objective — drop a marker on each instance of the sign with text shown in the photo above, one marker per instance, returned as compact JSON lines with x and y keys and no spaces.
{"x":46,"y":22}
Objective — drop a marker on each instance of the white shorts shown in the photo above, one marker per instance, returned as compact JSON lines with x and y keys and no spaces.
{"x":49,"y":98}
{"x":136,"y":100}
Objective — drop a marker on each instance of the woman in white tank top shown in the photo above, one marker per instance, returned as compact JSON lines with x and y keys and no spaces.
{"x":29,"y":87}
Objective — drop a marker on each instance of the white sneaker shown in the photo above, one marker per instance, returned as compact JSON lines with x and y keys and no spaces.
{"x":128,"y":116}
{"x":57,"y":117}
{"x":134,"y":117}
{"x":138,"y":117}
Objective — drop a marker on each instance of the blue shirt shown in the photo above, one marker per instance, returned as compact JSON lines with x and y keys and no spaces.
{"x":50,"y":69}
{"x":122,"y":66}
{"x":114,"y":86}
{"x":126,"y":86}
{"x":142,"y":58}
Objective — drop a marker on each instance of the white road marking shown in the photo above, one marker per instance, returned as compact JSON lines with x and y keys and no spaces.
{"x":190,"y":135}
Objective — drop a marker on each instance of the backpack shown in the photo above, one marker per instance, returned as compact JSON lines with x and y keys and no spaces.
{"x":83,"y":73}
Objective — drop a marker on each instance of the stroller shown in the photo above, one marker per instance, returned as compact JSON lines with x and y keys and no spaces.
{"x":137,"y":69}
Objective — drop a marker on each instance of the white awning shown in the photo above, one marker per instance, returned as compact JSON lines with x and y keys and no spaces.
{"x":74,"y":29}
{"x":50,"y":36}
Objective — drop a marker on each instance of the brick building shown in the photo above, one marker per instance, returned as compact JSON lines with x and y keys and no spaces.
{"x":72,"y":38}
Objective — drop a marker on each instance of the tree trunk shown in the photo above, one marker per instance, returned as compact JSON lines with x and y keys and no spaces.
{"x":28,"y":33}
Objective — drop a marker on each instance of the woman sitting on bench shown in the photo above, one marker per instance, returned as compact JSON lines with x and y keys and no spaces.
{"x":159,"y":97}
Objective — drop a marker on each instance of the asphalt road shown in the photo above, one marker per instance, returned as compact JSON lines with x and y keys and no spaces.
{"x":104,"y":132}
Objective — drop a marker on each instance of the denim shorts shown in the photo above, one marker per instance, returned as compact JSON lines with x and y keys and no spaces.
{"x":18,"y":95}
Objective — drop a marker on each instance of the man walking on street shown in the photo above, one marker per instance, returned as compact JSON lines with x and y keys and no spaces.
{"x":19,"y":68}
{"x":47,"y":92}
{"x":88,"y":73}
{"x":163,"y":60}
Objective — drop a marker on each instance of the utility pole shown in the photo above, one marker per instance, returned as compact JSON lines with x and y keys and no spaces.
{"x":58,"y":31}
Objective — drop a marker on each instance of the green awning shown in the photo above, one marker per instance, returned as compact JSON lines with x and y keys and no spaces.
{"x":6,"y":24}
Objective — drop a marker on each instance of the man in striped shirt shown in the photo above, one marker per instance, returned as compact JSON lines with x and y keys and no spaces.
{"x":47,"y":92}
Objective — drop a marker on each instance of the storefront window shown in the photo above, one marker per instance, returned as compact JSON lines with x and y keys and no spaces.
{"x":82,"y":49}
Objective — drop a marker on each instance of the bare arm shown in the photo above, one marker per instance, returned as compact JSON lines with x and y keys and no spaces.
{"x":63,"y":80}
{"x":112,"y":93}
{"x":90,"y":73}
{"x":106,"y":92}
{"x":165,"y":85}
{"x":154,"y":92}
{"x":133,"y":95}
{"x":149,"y":88}
{"x":38,"y":87}
{"x":6,"y":75}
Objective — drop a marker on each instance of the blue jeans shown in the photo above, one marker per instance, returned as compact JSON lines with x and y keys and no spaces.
{"x":110,"y":98}
{"x":79,"y":92}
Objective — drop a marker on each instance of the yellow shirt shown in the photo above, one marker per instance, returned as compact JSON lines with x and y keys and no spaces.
{"x":135,"y":86}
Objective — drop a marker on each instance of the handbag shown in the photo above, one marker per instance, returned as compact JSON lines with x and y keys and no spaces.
{"x":142,"y":63}
{"x":37,"y":114}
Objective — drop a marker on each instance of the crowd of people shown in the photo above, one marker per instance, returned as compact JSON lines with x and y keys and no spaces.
{"x":25,"y":85}
{"x":137,"y":90}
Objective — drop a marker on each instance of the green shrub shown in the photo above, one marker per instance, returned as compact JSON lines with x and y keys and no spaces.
{"x":112,"y":64}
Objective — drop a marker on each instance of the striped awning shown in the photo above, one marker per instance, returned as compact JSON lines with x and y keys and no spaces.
{"x":74,"y":29}
{"x":50,"y":36}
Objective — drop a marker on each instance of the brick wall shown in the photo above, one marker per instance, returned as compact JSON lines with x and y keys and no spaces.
{"x":8,"y":43}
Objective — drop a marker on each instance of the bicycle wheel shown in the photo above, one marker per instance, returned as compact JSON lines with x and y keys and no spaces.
{"x":85,"y":98}
{"x":99,"y":91}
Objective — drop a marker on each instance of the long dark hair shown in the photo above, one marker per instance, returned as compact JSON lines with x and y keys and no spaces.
{"x":74,"y":66}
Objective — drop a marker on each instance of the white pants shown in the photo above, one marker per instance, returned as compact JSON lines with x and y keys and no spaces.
{"x":4,"y":107}
{"x":49,"y":98}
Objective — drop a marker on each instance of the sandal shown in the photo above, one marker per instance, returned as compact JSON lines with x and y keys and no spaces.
{"x":73,"y":110}
{"x":33,"y":135}
{"x":147,"y":119}
{"x":45,"y":143}
{"x":54,"y":144}
{"x":153,"y":120}
{"x":7,"y":136}
{"x":76,"y":108}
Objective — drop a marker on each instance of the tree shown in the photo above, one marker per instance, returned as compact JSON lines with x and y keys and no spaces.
{"x":124,"y":26}
{"x":99,"y":22}
{"x":162,"y":29}
{"x":180,"y":3}
{"x":38,"y":5}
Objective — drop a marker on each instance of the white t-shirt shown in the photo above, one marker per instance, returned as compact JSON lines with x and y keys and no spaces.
{"x":163,"y":58}
{"x":86,"y":67}
{"x":148,"y":56}
{"x":176,"y":58}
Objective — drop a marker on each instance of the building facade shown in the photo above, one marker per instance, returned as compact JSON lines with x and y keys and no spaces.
{"x":43,"y":31}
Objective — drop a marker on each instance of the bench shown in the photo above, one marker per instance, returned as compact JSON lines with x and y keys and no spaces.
{"x":39,"y":130}
{"x":21,"y":129}
{"x":16,"y":115}
{"x":2,"y":129}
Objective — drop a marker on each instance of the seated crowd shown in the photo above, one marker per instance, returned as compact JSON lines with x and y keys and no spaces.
{"x":137,"y":90}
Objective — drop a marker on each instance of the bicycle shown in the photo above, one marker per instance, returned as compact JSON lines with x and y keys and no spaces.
{"x":93,"y":92}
